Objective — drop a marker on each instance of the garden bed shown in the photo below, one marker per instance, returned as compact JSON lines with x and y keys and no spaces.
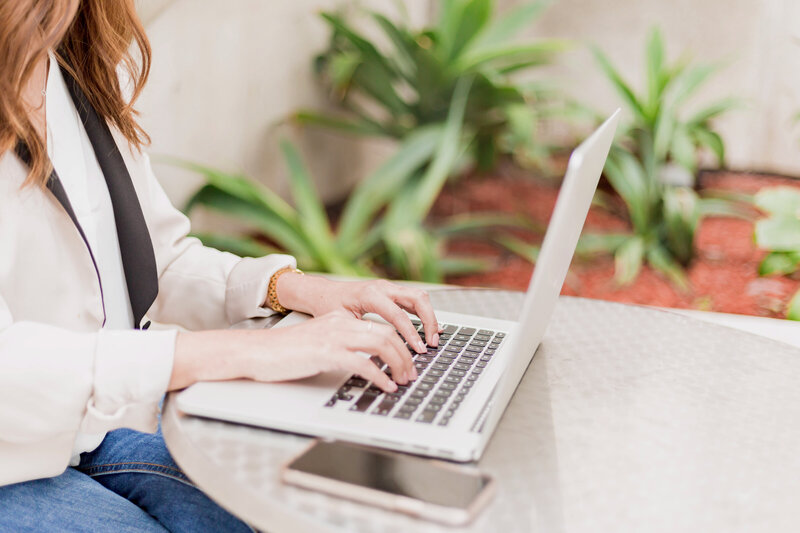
{"x":723,"y":276}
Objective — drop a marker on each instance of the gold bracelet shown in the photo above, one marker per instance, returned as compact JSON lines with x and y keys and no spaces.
{"x":272,"y":289}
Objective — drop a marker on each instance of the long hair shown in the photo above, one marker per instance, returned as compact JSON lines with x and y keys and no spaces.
{"x":91,"y":39}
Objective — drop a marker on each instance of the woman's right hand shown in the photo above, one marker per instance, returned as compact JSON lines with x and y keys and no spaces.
{"x":335,"y":341}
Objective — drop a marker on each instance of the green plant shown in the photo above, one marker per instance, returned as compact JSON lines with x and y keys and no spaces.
{"x":779,"y":234}
{"x":412,"y":81}
{"x":641,"y":166}
{"x":382,"y":229}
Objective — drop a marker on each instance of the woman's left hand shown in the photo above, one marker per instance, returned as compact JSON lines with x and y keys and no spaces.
{"x":317,"y":296}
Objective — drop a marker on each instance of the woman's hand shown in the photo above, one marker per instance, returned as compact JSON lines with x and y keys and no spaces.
{"x":331,"y":342}
{"x":317,"y":296}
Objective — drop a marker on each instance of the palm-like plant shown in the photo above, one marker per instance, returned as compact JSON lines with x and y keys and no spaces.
{"x":383,"y":227}
{"x":779,"y":234}
{"x":657,"y":141}
{"x":411,"y":84}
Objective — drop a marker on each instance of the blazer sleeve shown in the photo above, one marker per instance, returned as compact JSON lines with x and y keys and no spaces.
{"x":199,"y":287}
{"x":56,"y":382}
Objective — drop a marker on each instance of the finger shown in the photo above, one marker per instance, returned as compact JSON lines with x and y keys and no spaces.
{"x":381,"y":340}
{"x":366,"y":369}
{"x":388,"y":309}
{"x":418,"y":302}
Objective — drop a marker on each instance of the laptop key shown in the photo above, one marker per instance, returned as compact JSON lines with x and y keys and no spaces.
{"x":344,"y":396}
{"x":500,"y":335}
{"x":457,"y":373}
{"x":426,"y":417}
{"x":460,"y":337}
{"x":419,"y":393}
{"x":428,"y":378}
{"x":485,"y":332}
{"x":466,"y":331}
{"x":439,"y":366}
{"x":424,"y":386}
{"x":403,"y":415}
{"x":435,"y":407}
{"x":462,"y":366}
{"x":434,"y":372}
{"x":363,"y":403}
{"x":447,"y":386}
{"x":437,"y":400}
{"x":481,"y":364}
{"x":413,"y":401}
{"x":474,"y":349}
{"x":357,"y":382}
{"x":383,"y":409}
{"x":331,"y":402}
{"x":452,"y":379}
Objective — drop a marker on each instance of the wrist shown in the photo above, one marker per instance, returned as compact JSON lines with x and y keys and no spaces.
{"x":301,"y":292}
{"x":205,"y":356}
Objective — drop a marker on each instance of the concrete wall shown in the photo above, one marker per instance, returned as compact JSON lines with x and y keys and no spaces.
{"x":225,"y":73}
{"x":224,"y":76}
{"x":758,"y":39}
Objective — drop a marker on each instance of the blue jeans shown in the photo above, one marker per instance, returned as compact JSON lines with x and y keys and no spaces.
{"x":128,"y":484}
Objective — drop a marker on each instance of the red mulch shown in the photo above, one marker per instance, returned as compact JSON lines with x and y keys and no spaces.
{"x":723,"y":275}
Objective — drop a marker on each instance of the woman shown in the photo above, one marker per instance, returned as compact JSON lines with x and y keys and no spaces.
{"x":89,"y":244}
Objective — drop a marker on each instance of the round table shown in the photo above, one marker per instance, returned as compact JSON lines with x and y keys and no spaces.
{"x":627,"y":419}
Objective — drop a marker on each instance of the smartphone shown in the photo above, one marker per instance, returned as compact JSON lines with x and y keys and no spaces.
{"x":423,"y":488}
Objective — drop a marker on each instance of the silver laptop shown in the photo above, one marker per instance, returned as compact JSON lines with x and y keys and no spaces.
{"x":464,"y":385}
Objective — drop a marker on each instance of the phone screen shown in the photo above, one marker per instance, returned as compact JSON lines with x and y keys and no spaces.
{"x":396,"y":474}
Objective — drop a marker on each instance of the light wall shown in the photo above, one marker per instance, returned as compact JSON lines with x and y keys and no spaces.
{"x":756,"y":39}
{"x":225,"y":73}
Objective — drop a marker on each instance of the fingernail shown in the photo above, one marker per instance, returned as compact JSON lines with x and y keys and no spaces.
{"x":414,"y":374}
{"x":435,"y":340}
{"x":441,"y":329}
{"x":392,"y":386}
{"x":421,"y":347}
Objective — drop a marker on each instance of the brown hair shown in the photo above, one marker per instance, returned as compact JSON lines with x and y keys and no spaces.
{"x":91,"y":39}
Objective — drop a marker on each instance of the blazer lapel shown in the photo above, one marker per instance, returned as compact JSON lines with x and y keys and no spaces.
{"x":138,"y":258}
{"x":57,"y":189}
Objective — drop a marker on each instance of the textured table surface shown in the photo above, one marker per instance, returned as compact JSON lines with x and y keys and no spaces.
{"x":628,"y":419}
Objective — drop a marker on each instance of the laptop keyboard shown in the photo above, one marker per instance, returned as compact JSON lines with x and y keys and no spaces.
{"x":446,"y":376}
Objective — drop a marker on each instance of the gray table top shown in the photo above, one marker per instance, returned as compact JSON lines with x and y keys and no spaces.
{"x":628,"y":419}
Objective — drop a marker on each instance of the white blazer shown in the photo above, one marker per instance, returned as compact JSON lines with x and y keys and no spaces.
{"x":60,"y":373}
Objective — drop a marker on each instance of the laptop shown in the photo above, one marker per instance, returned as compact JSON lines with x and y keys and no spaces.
{"x":464,"y":385}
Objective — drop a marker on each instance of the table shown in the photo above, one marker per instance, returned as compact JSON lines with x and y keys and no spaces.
{"x":627,"y":419}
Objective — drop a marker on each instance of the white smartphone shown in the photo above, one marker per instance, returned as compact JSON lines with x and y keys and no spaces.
{"x":423,"y":488}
